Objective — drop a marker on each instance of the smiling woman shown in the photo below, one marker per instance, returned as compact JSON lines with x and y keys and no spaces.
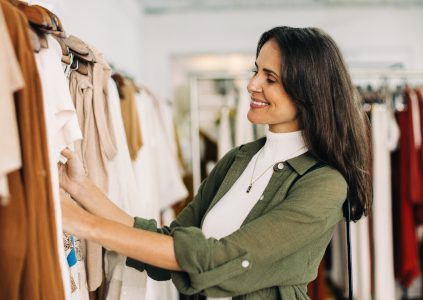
{"x":270,"y":104}
{"x":260,"y":223}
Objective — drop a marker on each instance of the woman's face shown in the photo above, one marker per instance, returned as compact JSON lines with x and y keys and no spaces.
{"x":270,"y":104}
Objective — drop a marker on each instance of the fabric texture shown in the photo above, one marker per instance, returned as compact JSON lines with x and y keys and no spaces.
{"x":98,"y":147}
{"x":361,"y":268}
{"x":405,"y":197}
{"x":29,"y":266}
{"x":229,"y":213}
{"x":156,"y":166}
{"x":62,"y":132}
{"x":385,"y":135}
{"x":123,"y":282}
{"x":288,"y":230}
{"x":339,"y":273}
{"x":130,"y":118}
{"x":10,"y":81}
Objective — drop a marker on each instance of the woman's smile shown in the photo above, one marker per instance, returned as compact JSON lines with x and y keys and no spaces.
{"x":257,"y":104}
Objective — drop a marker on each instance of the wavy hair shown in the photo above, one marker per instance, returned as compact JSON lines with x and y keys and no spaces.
{"x":335,"y":128}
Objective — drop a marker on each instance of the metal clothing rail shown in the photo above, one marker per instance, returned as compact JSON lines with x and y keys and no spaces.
{"x":386,"y":73}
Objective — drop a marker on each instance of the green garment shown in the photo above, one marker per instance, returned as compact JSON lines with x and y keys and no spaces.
{"x":278,"y":248}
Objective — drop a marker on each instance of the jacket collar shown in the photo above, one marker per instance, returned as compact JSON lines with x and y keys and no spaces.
{"x":299,"y":164}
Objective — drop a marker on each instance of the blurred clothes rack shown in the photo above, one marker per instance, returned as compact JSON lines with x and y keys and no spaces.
{"x":386,"y":73}
{"x":388,"y":237}
{"x":408,"y":192}
{"x":150,"y":132}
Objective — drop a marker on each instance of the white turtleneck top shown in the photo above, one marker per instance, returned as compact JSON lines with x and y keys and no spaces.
{"x":229,"y":213}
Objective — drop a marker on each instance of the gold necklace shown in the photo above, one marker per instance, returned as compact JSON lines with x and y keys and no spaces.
{"x":267,"y":169}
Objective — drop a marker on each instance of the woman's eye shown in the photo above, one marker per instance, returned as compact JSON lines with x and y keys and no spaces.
{"x":270,"y":80}
{"x":254,"y":71}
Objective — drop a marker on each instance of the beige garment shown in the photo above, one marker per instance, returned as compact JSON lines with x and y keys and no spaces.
{"x":62,"y":132}
{"x":123,"y":282}
{"x":98,"y":147}
{"x":10,"y":81}
{"x":130,"y":118}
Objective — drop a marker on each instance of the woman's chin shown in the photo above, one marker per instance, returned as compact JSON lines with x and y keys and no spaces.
{"x":253,"y":118}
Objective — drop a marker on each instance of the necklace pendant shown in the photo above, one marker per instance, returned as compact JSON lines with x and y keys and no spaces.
{"x":249,"y":188}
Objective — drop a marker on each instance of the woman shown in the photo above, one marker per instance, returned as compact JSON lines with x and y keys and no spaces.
{"x":260,"y":223}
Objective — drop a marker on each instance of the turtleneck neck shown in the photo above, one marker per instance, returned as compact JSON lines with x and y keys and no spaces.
{"x":282,"y":146}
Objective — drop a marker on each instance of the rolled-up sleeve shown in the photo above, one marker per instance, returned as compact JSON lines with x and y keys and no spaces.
{"x":190,"y":217}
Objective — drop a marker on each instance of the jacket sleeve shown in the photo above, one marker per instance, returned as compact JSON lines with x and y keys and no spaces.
{"x":240,"y":263}
{"x":190,"y":216}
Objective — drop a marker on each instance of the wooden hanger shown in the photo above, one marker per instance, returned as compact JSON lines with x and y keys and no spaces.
{"x":41,"y":18}
{"x":37,"y":15}
{"x":80,"y":49}
{"x":75,"y":53}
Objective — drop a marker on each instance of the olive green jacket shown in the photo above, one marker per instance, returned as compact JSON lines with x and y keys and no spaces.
{"x":278,"y":248}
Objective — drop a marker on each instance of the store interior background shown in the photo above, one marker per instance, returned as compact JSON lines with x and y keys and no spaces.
{"x":161,"y":43}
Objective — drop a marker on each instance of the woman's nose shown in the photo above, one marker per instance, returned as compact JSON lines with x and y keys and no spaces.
{"x":254,"y":85}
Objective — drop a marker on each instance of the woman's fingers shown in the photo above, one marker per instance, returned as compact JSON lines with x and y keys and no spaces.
{"x":67,"y":153}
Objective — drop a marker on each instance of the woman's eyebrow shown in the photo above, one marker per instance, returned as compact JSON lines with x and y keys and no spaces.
{"x":268,"y":70}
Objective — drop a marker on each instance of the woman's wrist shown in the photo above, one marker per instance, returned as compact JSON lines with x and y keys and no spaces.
{"x":86,"y":226}
{"x":81,"y":190}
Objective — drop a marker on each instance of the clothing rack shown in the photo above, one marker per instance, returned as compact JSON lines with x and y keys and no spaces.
{"x":386,"y":73}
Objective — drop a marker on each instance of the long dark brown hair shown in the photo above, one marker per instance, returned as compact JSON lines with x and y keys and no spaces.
{"x":335,"y":128}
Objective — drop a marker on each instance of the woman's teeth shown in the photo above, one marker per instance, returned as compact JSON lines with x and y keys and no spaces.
{"x":257,"y":103}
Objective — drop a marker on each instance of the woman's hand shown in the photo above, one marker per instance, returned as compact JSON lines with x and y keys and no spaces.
{"x":71,"y":174}
{"x":73,"y":180}
{"x":75,"y":219}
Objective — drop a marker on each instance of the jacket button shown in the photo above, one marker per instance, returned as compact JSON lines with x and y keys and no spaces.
{"x":278,"y":167}
{"x":261,"y":197}
{"x":245,"y":264}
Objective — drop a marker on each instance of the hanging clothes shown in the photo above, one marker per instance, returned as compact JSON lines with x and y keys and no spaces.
{"x":164,"y":145}
{"x":316,"y":290}
{"x":10,"y":81}
{"x":31,"y":230}
{"x":338,"y":274}
{"x":98,"y":147}
{"x":155,"y":165}
{"x":406,"y":176}
{"x":361,"y":264}
{"x":224,"y":143}
{"x":130,"y":117}
{"x":385,"y":135}
{"x":62,"y":131}
{"x":123,"y":282}
{"x":244,"y":131}
{"x":13,"y":252}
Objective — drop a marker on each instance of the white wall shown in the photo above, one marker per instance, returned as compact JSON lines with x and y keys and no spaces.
{"x":114,"y":27}
{"x":142,"y":45}
{"x":372,"y":33}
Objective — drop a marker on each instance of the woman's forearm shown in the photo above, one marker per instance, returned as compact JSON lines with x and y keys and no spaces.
{"x":149,"y":247}
{"x":96,"y":202}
